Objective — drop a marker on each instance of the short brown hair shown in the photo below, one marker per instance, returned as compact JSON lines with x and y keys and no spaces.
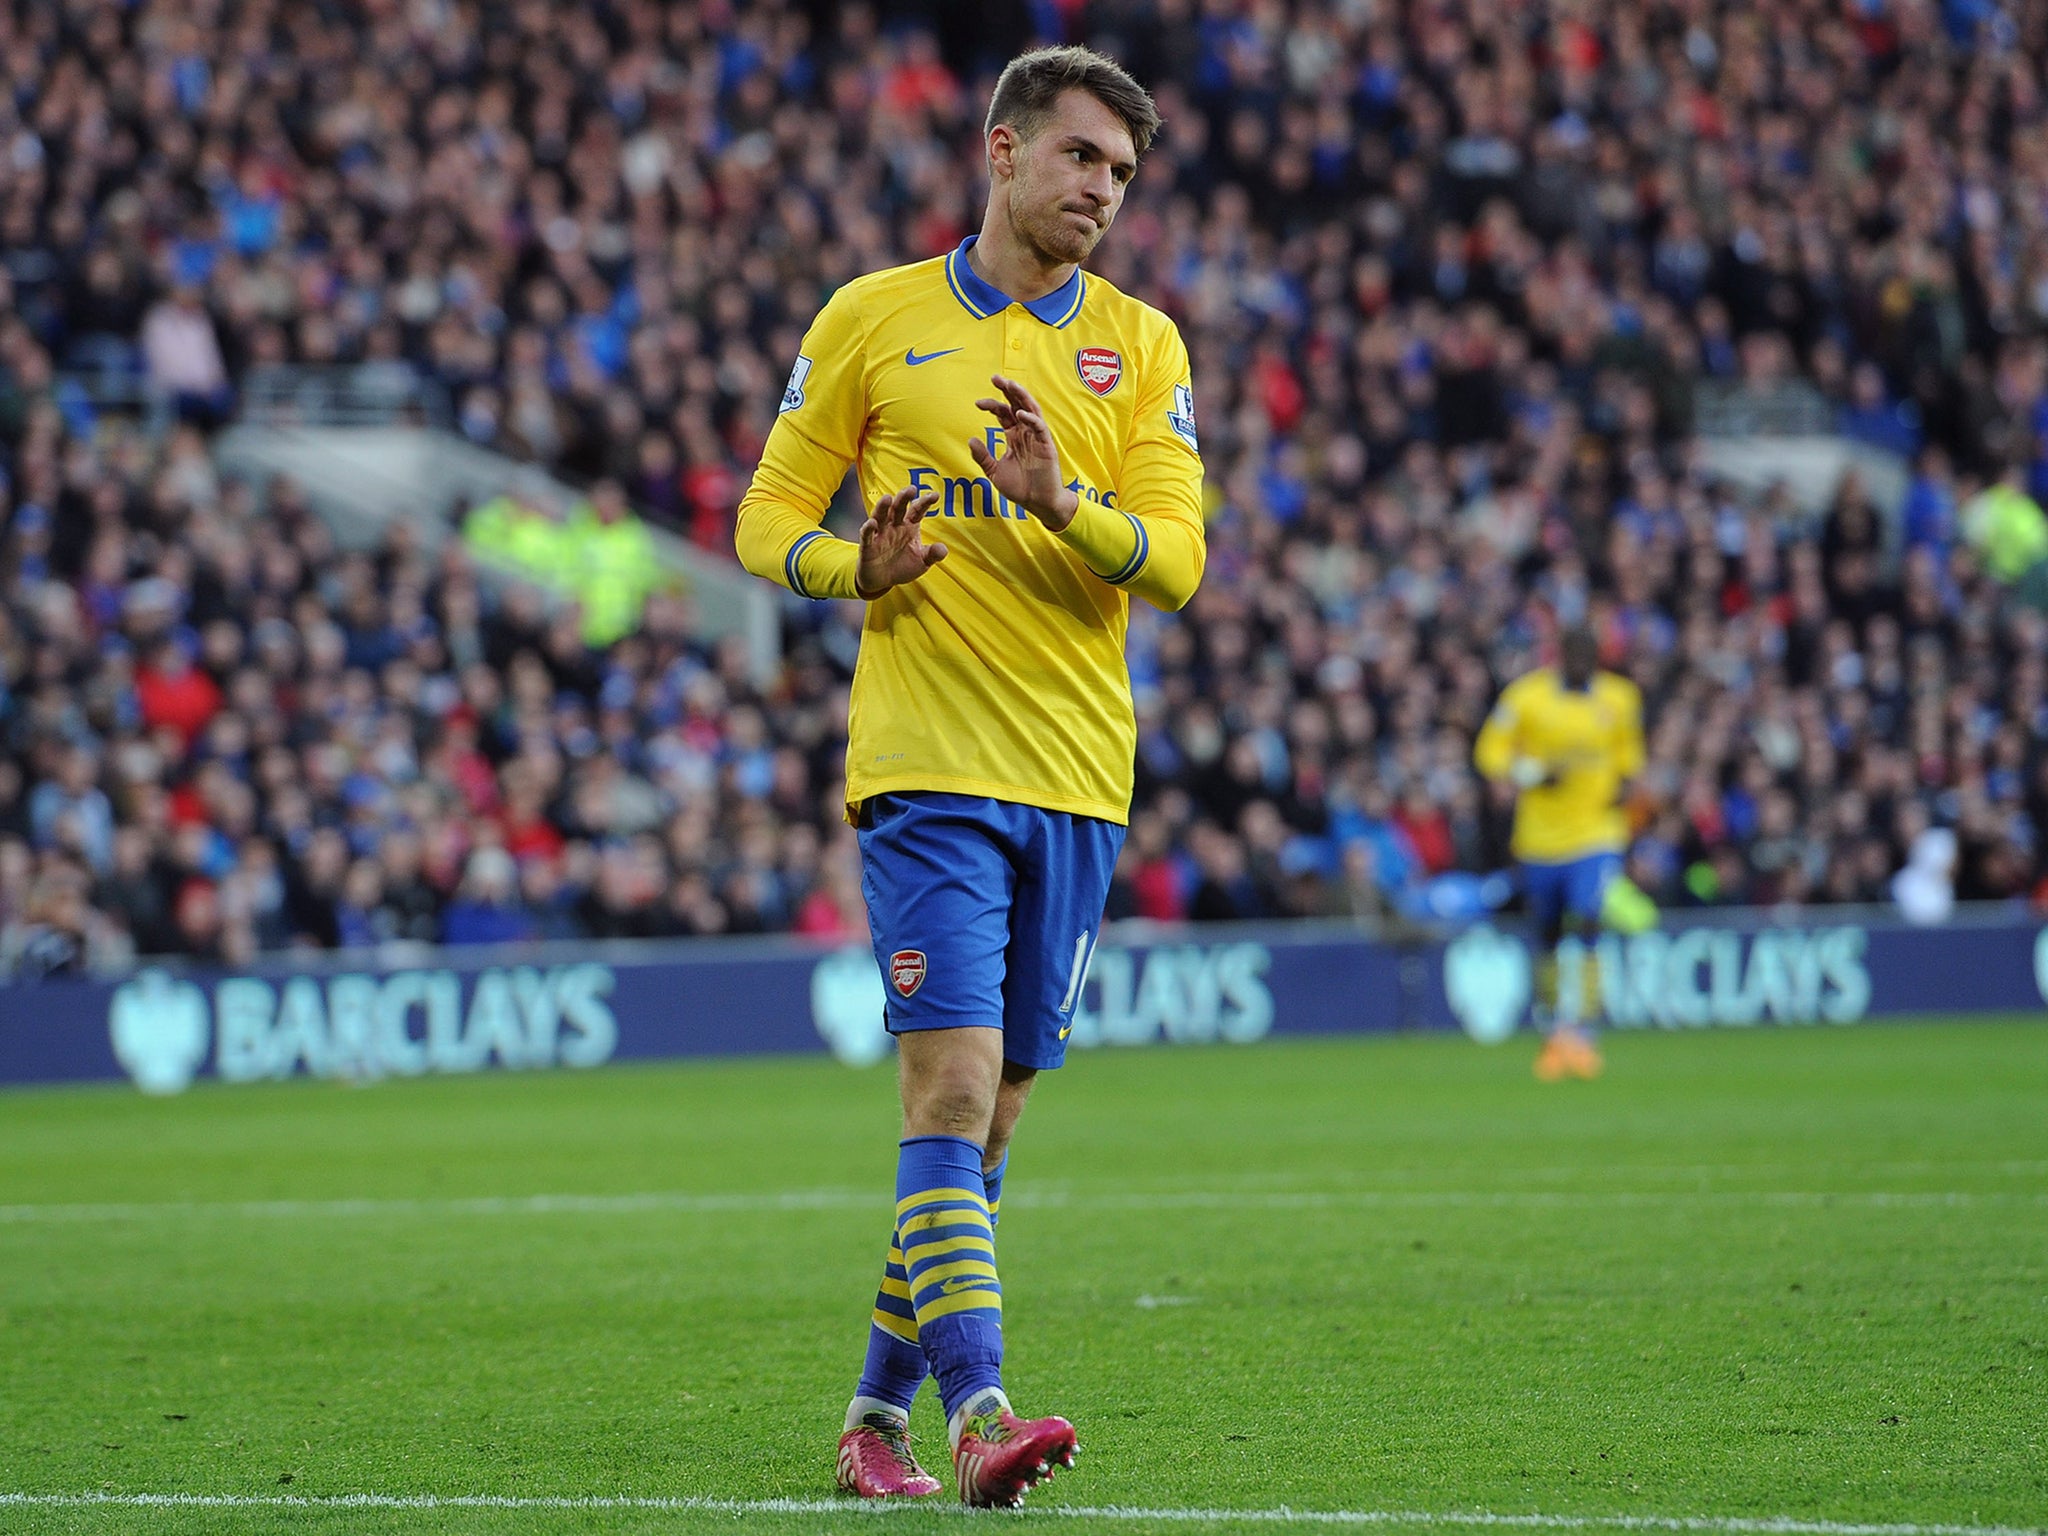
{"x":1032,"y":82}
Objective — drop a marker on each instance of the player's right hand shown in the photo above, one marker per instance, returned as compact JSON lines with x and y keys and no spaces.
{"x":892,"y":551}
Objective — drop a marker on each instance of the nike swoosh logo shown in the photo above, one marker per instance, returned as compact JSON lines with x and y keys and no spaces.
{"x":959,"y":1283}
{"x":1066,"y":1032}
{"x":914,"y":360}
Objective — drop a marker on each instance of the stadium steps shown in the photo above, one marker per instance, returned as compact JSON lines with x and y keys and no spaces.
{"x":362,"y":478}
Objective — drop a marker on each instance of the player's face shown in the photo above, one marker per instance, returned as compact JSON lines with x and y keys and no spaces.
{"x":1578,"y":656}
{"x":1068,"y":179}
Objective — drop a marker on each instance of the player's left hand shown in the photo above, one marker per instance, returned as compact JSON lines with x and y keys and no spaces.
{"x":1028,"y":473}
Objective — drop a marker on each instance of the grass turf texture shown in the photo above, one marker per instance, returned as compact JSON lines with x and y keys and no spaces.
{"x":1775,"y":1273}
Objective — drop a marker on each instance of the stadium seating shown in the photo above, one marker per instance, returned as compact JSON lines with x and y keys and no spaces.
{"x":1454,"y":287}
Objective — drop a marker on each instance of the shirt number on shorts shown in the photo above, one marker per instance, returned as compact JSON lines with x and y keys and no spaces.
{"x":1084,"y":952}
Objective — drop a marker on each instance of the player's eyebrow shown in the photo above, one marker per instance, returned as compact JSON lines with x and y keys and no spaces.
{"x":1124,"y":169}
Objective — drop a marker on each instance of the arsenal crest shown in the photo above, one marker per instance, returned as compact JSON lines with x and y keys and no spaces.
{"x":906,"y":970}
{"x":1099,"y":368}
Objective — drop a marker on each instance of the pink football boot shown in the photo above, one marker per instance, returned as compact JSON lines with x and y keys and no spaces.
{"x":875,"y":1461}
{"x":1001,"y":1456}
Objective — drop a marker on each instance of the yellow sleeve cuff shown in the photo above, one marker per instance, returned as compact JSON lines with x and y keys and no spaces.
{"x":1112,"y":544}
{"x":822,"y":565}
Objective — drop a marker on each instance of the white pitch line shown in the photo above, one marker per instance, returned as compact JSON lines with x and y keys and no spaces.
{"x":1707,"y":1525}
{"x":480,"y":1205}
{"x":675,"y":1201}
{"x":1297,"y":1199}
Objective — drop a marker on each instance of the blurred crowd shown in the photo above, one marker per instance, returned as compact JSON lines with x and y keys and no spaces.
{"x":1453,"y":276}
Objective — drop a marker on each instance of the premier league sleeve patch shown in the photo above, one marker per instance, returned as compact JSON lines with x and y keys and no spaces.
{"x":1099,"y":367}
{"x":1181,"y":415}
{"x":793,"y":392}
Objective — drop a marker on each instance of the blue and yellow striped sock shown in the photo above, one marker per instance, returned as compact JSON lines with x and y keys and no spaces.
{"x":949,"y":1261}
{"x":992,"y":1186}
{"x":896,"y":1367}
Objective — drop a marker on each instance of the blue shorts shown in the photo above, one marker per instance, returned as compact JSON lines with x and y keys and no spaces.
{"x":1572,"y":889}
{"x":985,"y":913}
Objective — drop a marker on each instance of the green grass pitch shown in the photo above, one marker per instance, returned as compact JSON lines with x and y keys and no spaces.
{"x":1749,"y":1275}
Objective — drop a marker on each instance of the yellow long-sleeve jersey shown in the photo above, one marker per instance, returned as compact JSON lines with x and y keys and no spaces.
{"x":1001,"y":671}
{"x":1589,"y":741}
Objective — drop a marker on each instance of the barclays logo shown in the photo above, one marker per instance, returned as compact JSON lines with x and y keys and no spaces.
{"x":847,"y":1002}
{"x":1486,"y":982}
{"x":1185,"y":994}
{"x":1685,"y":979}
{"x":1717,"y":976}
{"x":161,"y":1030}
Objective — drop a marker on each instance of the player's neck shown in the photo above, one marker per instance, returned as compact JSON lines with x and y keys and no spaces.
{"x":1010,"y":266}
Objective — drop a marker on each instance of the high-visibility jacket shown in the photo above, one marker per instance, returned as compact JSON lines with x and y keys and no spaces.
{"x":615,"y":568}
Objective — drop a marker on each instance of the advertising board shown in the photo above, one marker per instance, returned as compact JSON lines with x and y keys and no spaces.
{"x":369,"y":1016}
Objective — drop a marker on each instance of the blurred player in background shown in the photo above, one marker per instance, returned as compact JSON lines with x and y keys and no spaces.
{"x":989,"y":760}
{"x":1567,"y":739}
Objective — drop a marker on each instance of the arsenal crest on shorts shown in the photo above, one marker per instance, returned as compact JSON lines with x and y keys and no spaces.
{"x":906,"y":970}
{"x":1099,"y":368}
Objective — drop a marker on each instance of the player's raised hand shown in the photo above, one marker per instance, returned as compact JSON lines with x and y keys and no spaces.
{"x":892,"y":551}
{"x":1028,"y":472}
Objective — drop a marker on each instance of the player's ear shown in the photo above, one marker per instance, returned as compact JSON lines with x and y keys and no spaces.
{"x":1002,"y":150}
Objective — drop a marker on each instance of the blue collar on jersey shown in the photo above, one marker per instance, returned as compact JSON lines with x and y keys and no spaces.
{"x":982,"y":300}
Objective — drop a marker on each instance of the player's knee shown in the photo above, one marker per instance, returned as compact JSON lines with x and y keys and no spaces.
{"x":942,"y":1113}
{"x":949,"y":1104}
{"x":1009,"y":1105}
{"x":949,"y":1081}
{"x":1001,"y":1127}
